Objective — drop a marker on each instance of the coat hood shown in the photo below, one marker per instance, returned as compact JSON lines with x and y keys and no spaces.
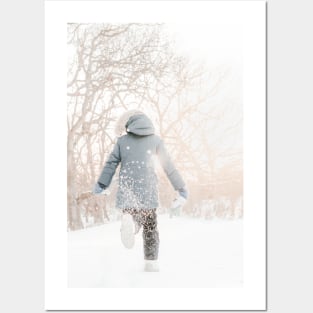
{"x":140,"y":124}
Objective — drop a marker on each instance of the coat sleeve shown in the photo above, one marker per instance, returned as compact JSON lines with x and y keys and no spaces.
{"x":110,"y":166}
{"x":168,"y":167}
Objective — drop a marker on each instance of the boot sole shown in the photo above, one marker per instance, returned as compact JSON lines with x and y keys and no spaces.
{"x":127,"y":231}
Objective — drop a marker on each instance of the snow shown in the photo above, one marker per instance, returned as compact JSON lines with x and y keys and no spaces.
{"x":193,"y":253}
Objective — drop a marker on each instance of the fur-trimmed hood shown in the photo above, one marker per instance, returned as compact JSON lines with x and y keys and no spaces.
{"x":135,"y":122}
{"x":140,"y":125}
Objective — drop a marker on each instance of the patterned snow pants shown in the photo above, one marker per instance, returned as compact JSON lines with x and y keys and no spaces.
{"x":148,"y":219}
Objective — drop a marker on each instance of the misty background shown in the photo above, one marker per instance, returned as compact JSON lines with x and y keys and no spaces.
{"x":188,"y":80}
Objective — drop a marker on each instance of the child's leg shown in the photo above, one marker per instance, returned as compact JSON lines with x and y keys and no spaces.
{"x":150,"y":234}
{"x":136,"y":218}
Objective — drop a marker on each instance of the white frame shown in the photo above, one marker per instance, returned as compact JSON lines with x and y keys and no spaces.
{"x":252,"y":296}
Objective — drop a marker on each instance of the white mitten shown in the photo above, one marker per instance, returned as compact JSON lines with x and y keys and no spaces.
{"x":177,"y":205}
{"x":106,"y":192}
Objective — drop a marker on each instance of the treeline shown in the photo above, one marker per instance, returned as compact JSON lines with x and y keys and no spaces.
{"x":114,"y":68}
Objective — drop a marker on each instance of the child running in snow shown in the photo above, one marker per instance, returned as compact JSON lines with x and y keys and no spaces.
{"x":137,"y":194}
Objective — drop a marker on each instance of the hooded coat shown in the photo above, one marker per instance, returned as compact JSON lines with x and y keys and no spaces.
{"x":135,"y":152}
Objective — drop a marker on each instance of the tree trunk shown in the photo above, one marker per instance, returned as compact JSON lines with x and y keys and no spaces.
{"x":73,"y":210}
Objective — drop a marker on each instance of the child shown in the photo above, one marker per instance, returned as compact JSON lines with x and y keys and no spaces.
{"x":137,"y":195}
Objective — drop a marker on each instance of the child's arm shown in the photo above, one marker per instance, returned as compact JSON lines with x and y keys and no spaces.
{"x":170,"y":170}
{"x":109,"y":168}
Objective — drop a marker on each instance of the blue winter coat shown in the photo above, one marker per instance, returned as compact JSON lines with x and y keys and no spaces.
{"x":137,"y":179}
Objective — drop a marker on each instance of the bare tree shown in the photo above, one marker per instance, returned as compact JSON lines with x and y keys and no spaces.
{"x":115,"y":67}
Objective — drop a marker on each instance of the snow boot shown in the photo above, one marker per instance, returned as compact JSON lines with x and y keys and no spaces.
{"x":151,"y":266}
{"x":128,"y":231}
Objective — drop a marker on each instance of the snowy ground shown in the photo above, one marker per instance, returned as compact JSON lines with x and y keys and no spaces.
{"x":193,"y":253}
